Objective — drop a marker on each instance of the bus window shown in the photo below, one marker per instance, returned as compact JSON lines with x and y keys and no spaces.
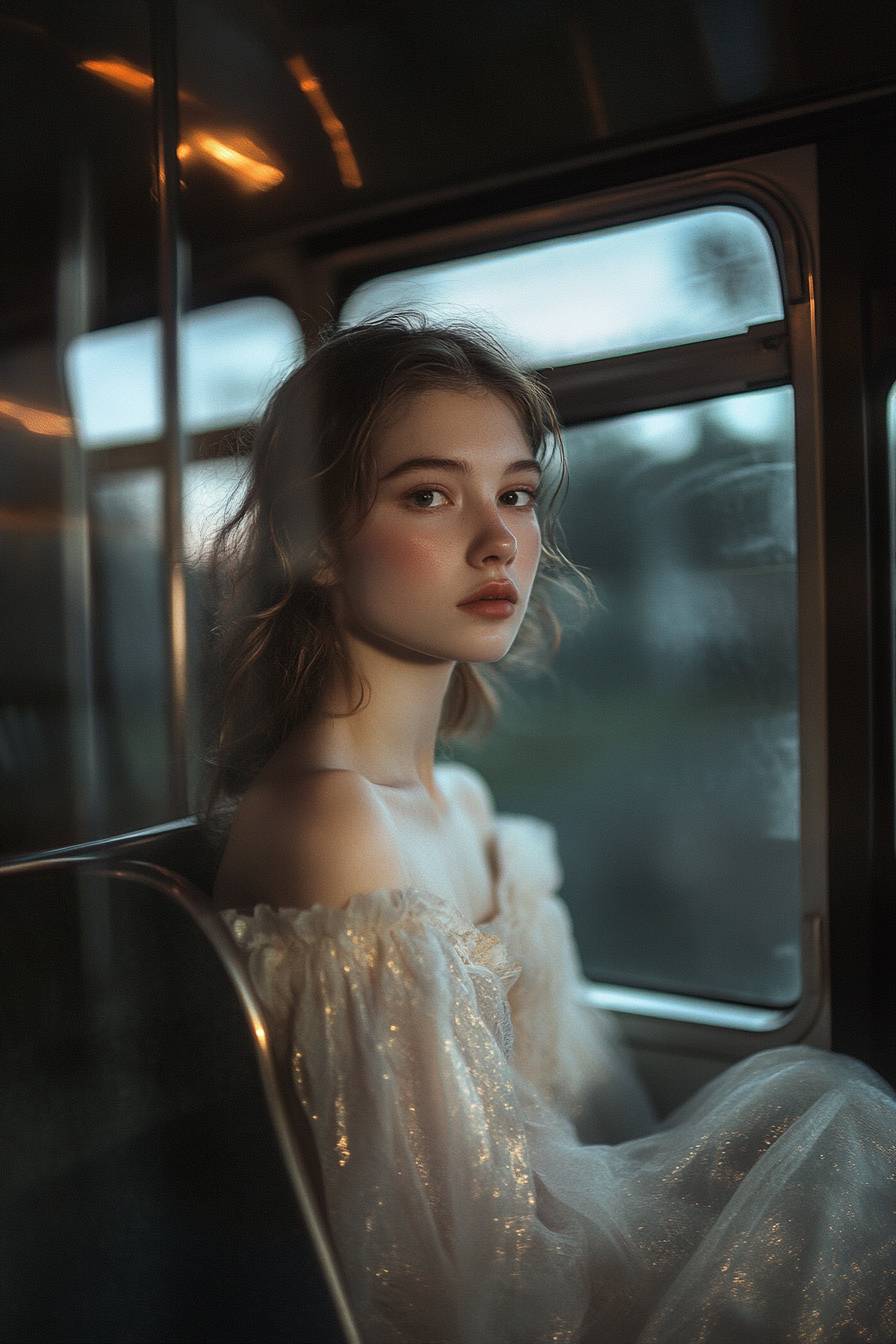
{"x":664,"y":741}
{"x":685,"y":277}
{"x":231,"y":355}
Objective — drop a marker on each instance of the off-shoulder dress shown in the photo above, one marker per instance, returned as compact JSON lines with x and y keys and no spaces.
{"x":444,"y":1067}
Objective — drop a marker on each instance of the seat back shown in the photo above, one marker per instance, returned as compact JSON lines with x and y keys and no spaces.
{"x":183,"y":846}
{"x":155,"y":1184}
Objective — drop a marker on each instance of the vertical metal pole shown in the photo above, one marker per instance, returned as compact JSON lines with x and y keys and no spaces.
{"x":171,"y":282}
{"x":76,"y":290}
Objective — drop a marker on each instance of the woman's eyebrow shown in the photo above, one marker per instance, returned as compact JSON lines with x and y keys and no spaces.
{"x":456,"y":464}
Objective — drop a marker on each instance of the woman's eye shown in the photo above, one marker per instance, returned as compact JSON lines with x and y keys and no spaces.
{"x":421,"y":500}
{"x":424,"y":495}
{"x":529,"y":496}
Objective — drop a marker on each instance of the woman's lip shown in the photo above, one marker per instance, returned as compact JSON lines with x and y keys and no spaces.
{"x":489,"y":606}
{"x":492,"y":592}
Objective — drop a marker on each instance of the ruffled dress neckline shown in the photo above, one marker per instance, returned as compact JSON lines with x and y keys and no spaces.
{"x":506,"y":874}
{"x":522,"y":845}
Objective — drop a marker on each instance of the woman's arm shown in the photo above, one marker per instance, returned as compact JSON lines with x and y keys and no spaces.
{"x":396,"y":1042}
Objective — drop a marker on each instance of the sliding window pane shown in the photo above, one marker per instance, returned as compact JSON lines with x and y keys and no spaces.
{"x":685,"y":277}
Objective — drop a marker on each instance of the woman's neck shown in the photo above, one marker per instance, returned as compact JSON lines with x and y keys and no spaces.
{"x":391,"y":740}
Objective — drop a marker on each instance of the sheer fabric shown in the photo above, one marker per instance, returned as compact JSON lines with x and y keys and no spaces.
{"x":444,"y":1067}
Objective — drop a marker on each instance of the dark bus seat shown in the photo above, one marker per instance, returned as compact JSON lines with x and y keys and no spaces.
{"x":159,"y":1182}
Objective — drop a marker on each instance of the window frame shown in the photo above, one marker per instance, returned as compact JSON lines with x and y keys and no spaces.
{"x":780,"y":190}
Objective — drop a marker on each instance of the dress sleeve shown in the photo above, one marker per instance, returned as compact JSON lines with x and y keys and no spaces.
{"x":399,"y":1041}
{"x":570,"y":1050}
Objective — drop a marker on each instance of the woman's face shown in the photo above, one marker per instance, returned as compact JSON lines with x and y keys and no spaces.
{"x":438,"y":531}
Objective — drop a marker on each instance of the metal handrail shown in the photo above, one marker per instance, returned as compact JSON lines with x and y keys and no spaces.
{"x":102,"y":847}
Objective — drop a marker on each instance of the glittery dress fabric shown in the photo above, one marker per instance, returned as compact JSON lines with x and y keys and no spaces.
{"x":448,"y":1070}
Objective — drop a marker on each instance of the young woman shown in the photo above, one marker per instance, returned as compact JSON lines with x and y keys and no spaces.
{"x":395,"y":541}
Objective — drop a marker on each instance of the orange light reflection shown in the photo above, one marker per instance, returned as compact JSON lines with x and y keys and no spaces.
{"x":241,"y":157}
{"x":120,"y":73}
{"x":46,"y":423}
{"x":130,"y":77}
{"x":308,"y":82}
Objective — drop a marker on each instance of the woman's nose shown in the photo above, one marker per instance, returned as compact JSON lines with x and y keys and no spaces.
{"x":495,"y":540}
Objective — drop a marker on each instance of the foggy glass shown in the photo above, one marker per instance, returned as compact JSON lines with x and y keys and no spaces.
{"x":686,"y":277}
{"x":664,"y":746}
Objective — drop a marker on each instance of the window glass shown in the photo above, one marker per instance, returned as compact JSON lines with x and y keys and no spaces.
{"x":665,"y":745}
{"x":686,"y":277}
{"x":211,"y":489}
{"x":208,"y":489}
{"x":231,"y":355}
{"x":127,"y":513}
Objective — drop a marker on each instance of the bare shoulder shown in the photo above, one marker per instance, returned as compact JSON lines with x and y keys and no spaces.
{"x":319,"y":838}
{"x":472,"y":792}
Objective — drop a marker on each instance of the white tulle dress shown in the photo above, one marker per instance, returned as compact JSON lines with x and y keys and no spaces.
{"x":443,"y":1066}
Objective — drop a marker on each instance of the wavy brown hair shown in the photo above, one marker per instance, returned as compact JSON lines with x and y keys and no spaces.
{"x":308,"y":484}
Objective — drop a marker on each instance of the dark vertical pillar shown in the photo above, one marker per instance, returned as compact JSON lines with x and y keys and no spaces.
{"x":171,"y":288}
{"x":879,"y":287}
{"x":845,"y":181}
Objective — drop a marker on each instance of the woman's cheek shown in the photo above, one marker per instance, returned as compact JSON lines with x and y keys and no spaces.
{"x":527,"y":535}
{"x":407,"y":556}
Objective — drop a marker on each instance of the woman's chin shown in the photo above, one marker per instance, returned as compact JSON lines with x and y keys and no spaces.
{"x":487,"y":644}
{"x":486,"y":651}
